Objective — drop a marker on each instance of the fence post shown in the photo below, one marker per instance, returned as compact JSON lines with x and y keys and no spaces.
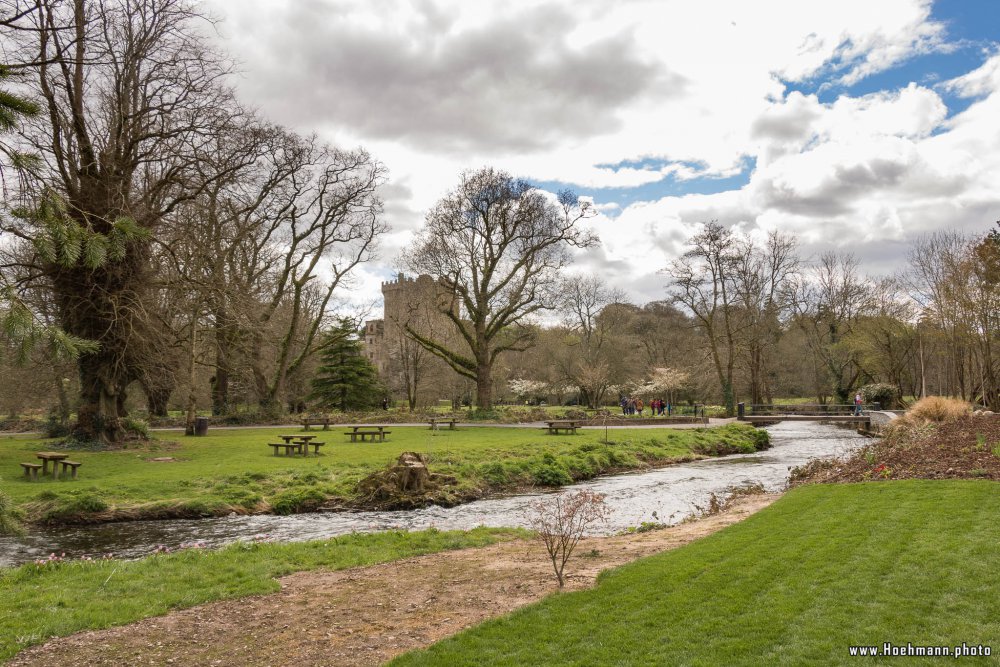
{"x":741,"y":411}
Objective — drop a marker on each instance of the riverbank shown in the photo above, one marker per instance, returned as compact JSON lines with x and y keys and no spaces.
{"x":235,"y":472}
{"x":824,"y":569}
{"x":364,"y":615}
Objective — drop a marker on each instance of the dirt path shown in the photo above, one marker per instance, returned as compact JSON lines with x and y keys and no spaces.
{"x":365,"y":616}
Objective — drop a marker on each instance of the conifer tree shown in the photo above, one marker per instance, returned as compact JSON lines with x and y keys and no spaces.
{"x":346,"y":380}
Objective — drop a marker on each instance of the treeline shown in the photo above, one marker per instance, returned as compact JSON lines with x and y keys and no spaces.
{"x":155,"y":227}
{"x":752,"y":321}
{"x":164,"y":244}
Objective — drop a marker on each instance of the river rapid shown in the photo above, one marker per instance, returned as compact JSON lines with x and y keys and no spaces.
{"x":664,"y":495}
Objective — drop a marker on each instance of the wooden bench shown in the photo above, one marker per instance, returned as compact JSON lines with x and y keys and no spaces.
{"x":66,"y":463}
{"x":310,"y":421}
{"x":31,"y":470}
{"x":435,"y":422}
{"x":372,"y":435}
{"x":289,"y":447}
{"x":555,"y":427}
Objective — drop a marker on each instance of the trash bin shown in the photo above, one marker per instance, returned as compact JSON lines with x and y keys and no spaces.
{"x":201,"y":426}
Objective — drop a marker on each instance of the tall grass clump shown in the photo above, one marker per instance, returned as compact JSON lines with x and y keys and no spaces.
{"x":938,"y":409}
{"x":9,"y":525}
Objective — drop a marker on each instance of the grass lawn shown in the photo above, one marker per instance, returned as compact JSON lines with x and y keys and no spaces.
{"x":58,"y":599}
{"x":824,"y":568}
{"x":234,"y":469}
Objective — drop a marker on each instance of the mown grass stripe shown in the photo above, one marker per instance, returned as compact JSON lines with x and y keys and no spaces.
{"x":824,"y":568}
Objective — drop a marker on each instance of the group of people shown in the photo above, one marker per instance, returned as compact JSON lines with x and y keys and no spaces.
{"x":632,"y":406}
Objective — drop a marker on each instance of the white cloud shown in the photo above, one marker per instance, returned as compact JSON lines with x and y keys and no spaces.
{"x":559,"y":90}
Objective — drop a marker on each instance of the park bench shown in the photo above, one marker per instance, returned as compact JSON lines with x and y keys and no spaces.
{"x":314,"y":420}
{"x":66,"y":463}
{"x":289,"y":447}
{"x":555,"y":427}
{"x":31,"y":470}
{"x":372,"y":433}
{"x":436,"y":422}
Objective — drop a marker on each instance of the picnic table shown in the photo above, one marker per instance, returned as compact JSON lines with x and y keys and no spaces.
{"x":55,"y":457}
{"x":316,"y":419}
{"x":296,"y":443}
{"x":436,"y":421}
{"x":555,"y":426}
{"x":367,"y":432}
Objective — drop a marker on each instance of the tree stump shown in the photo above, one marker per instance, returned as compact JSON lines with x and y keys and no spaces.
{"x":410,"y":473}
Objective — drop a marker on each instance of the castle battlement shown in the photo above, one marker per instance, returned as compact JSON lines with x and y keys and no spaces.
{"x":400,"y":279}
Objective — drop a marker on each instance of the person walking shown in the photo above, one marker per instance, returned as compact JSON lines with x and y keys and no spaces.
{"x":639,"y":405}
{"x":857,"y":404}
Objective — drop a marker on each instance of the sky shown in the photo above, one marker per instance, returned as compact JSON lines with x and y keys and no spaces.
{"x":855,"y":125}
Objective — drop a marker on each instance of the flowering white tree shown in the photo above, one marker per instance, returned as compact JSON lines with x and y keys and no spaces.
{"x":664,"y":381}
{"x":528,"y":389}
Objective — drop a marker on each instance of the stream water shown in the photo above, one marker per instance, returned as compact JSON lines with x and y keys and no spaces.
{"x":665,"y":495}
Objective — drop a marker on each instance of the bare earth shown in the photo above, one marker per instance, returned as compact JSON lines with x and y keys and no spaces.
{"x":366,"y":616}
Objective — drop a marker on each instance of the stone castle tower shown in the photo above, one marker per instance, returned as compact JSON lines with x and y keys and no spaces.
{"x":414,"y":302}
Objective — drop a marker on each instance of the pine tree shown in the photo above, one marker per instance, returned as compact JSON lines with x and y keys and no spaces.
{"x":346,"y":380}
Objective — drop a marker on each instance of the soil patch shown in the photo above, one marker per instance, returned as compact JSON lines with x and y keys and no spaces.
{"x":365,"y":616}
{"x":968,"y":448}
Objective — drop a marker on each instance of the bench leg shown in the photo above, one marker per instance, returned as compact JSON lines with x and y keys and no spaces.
{"x":73,"y":474}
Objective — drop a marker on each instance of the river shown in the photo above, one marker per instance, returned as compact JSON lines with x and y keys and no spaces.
{"x":664,"y":495}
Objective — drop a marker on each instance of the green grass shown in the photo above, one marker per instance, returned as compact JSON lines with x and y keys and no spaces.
{"x":235,"y":469}
{"x":58,"y":599}
{"x":824,"y":568}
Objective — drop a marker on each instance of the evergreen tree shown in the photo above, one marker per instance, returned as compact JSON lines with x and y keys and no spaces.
{"x":346,"y":380}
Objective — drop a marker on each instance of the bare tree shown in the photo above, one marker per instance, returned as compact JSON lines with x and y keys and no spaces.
{"x":412,"y":368}
{"x":496,"y":243}
{"x":561,"y":521}
{"x":267,"y":246}
{"x":129,"y":93}
{"x":702,"y":283}
{"x":762,"y":282}
{"x":831,"y":300}
{"x":595,"y":342}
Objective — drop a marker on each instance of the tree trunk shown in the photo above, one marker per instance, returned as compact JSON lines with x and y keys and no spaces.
{"x":484,"y":385}
{"x":98,"y":419}
{"x":156,"y":400}
{"x":220,"y":384}
{"x":192,"y":401}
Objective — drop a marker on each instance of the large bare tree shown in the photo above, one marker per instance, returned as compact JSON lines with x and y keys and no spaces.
{"x":497,"y":243}
{"x":702,"y":283}
{"x":267,"y":245}
{"x":593,"y":358}
{"x":763,"y":276}
{"x":130,"y":94}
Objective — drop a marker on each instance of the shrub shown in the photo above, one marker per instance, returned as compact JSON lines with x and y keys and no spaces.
{"x":938,"y":409}
{"x":297,"y":499}
{"x":561,"y":520}
{"x":9,"y":525}
{"x":886,"y":395}
{"x":550,"y":475}
{"x":135,"y":428}
{"x":249,"y":418}
{"x":55,"y":427}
